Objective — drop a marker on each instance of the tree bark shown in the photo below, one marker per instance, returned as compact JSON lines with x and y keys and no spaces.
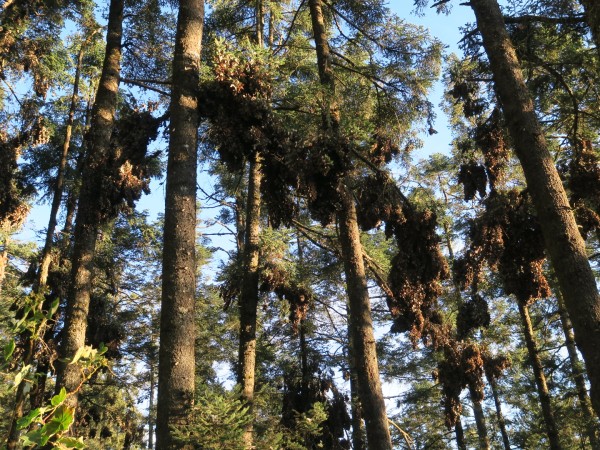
{"x":500,"y":417}
{"x":88,"y":219}
{"x":362,"y":338}
{"x":177,"y":327}
{"x":460,"y":435}
{"x":578,"y":376}
{"x":482,"y":435}
{"x":249,"y":293}
{"x":361,"y":328}
{"x":540,"y":379}
{"x":358,"y":435}
{"x":564,"y":244}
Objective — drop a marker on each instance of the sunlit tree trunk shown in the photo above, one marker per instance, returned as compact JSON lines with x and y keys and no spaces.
{"x":177,"y":328}
{"x":360,"y":321}
{"x":88,"y":218}
{"x":564,"y":244}
{"x":358,"y":434}
{"x":249,"y":293}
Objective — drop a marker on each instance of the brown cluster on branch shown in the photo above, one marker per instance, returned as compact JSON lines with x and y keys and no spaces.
{"x":466,"y":93}
{"x":584,"y":185}
{"x":472,"y":314}
{"x":130,"y":166}
{"x":473,"y":178}
{"x":375,"y":198}
{"x":491,"y":141}
{"x":14,"y":189}
{"x":301,"y":392}
{"x":419,"y":266}
{"x":383,"y":149}
{"x":508,"y":238}
{"x":461,"y":367}
{"x":274,"y":278}
{"x":242,"y":122}
{"x":416,"y":275}
{"x":494,"y":366}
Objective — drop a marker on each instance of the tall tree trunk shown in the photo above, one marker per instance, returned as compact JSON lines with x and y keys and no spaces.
{"x":578,"y":376}
{"x":88,"y":218}
{"x":151,"y":409}
{"x":361,"y":328}
{"x":249,"y":294}
{"x":482,"y":435}
{"x":564,"y":244}
{"x":360,"y":321}
{"x":540,"y":378}
{"x":500,"y":417}
{"x":460,"y":435}
{"x":358,"y":435}
{"x":177,"y":327}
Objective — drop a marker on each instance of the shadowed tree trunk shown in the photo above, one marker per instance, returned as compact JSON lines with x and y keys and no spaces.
{"x":592,"y":17}
{"x":500,"y":417}
{"x":460,"y":435}
{"x":89,"y":218}
{"x":177,"y":328}
{"x":540,"y":378}
{"x":564,"y":244}
{"x":249,"y":292}
{"x":482,"y":435}
{"x":362,"y":338}
{"x":578,"y":376}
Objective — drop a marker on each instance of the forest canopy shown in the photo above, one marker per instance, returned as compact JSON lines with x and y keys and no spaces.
{"x":224,"y":225}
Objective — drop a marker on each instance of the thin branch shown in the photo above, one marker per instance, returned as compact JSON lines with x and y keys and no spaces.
{"x":144,"y":86}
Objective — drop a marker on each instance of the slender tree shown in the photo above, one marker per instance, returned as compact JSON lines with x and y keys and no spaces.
{"x":177,"y":329}
{"x":249,"y":293}
{"x":90,"y":215}
{"x":578,"y":375}
{"x":360,"y":320}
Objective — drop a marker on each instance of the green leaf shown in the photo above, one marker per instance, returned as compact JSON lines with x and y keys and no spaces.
{"x":82,"y":352}
{"x":53,"y":308}
{"x":22,"y":373}
{"x":59,"y":398}
{"x":70,"y":442}
{"x":9,"y":348}
{"x":25,"y":421}
{"x":33,"y":438}
{"x":102,"y":349}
